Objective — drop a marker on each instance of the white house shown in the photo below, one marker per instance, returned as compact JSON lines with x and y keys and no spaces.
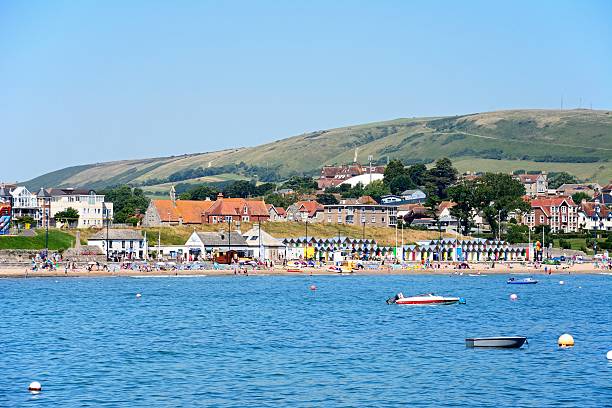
{"x":25,"y":204}
{"x":594,"y":216}
{"x":364,"y":179}
{"x":210,"y":245}
{"x":92,"y":208}
{"x":268,"y":246}
{"x":122,"y":243}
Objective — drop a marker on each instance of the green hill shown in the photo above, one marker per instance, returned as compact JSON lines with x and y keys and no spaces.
{"x":578,"y":141}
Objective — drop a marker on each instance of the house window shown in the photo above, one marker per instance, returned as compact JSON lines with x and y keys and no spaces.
{"x":246,"y":210}
{"x":373,"y":219}
{"x":123,"y":244}
{"x":541,"y":219}
{"x":329,"y":219}
{"x":339,"y":210}
{"x":383,"y":220}
{"x":563,"y":209}
{"x":339,"y":219}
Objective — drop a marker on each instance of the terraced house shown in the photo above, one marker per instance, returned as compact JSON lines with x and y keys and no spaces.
{"x":560,"y":213}
{"x":236,"y":210}
{"x":361,"y":211}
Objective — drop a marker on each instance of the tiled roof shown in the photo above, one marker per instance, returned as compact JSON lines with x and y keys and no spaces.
{"x":589,"y":209}
{"x":190,"y":211}
{"x":280,"y":210}
{"x":217,"y":239}
{"x":311,"y":206}
{"x":235,"y":206}
{"x":528,"y":178}
{"x":118,"y":234}
{"x":55,"y":192}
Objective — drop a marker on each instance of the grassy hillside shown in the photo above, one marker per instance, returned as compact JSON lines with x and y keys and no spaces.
{"x":553,"y":140}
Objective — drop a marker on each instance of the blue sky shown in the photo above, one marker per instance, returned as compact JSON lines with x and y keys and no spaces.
{"x":91,"y":81}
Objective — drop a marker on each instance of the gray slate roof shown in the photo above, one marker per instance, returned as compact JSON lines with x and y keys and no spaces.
{"x":118,"y":234}
{"x":216,"y":239}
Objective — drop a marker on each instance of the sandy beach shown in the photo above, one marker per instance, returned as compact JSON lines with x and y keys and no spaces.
{"x":500,"y":269}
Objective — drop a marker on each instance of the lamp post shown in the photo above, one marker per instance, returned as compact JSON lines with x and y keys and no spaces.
{"x":105,"y":211}
{"x":306,"y":243}
{"x":596,"y":216}
{"x":259,"y":239}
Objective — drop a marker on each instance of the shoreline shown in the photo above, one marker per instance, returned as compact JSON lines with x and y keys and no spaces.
{"x":579,"y":269}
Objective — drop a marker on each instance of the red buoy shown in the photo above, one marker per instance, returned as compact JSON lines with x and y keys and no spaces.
{"x":313,"y":287}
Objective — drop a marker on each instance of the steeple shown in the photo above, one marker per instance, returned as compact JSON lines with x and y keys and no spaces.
{"x":173,"y":196}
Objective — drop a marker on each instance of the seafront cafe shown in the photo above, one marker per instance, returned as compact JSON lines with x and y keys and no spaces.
{"x":468,"y":250}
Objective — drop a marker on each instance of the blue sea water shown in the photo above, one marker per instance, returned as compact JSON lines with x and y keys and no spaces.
{"x":262,"y":341}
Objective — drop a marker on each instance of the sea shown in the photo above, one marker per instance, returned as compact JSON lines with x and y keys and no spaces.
{"x":271,"y":341}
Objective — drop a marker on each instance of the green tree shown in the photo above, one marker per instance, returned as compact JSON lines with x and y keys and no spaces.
{"x":500,"y":194}
{"x":401,"y":183}
{"x":264,"y":189}
{"x":67,"y":217}
{"x":127,"y":201}
{"x":467,"y":198}
{"x":517,"y":233}
{"x":431,"y":207}
{"x":301,"y":184}
{"x":376,"y":190}
{"x":201,"y":192}
{"x":394,"y":169}
{"x":418,"y":174}
{"x":240,"y":188}
{"x":26,"y":219}
{"x":327,"y":199}
{"x":278,"y":200}
{"x":557,"y":179}
{"x":441,"y":176}
{"x":579,"y":196}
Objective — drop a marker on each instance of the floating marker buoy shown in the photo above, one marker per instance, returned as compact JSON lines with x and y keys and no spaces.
{"x":513,"y":296}
{"x":561,"y":283}
{"x":566,"y":340}
{"x":34,"y":386}
{"x":609,"y":355}
{"x":138,"y":295}
{"x":313,"y":287}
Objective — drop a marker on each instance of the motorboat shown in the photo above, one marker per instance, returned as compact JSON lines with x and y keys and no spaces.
{"x":496,"y":342}
{"x":425,"y":299}
{"x":524,"y":281}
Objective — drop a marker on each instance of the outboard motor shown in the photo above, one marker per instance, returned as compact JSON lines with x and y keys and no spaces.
{"x":395,"y":298}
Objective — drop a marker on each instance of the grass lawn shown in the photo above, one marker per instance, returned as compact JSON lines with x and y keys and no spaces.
{"x":58,"y":241}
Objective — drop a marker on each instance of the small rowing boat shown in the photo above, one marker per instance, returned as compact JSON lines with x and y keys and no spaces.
{"x":426,"y":299}
{"x":496,"y":342}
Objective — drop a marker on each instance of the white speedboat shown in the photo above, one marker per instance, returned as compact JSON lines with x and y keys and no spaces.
{"x":426,"y":299}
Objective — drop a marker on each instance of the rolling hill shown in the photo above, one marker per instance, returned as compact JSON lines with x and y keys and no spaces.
{"x":578,"y":141}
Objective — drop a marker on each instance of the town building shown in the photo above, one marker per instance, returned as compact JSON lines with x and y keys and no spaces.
{"x":176,"y":212}
{"x":560,"y":213}
{"x":303,"y":211}
{"x":25,"y":204}
{"x":571,"y":189}
{"x":122,"y":244}
{"x":276,"y":214}
{"x":236,"y":210}
{"x":535,"y":184}
{"x":363,"y":179}
{"x":92,"y":209}
{"x":263,"y":245}
{"x":332,"y":176}
{"x":407,"y":197}
{"x":222,"y":246}
{"x":361,"y":211}
{"x":594,"y":216}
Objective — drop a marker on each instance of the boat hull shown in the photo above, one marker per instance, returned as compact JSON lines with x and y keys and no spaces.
{"x":445,"y":301}
{"x":496,"y":342}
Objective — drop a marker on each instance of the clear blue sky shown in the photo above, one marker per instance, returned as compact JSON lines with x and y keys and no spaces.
{"x":90,"y":81}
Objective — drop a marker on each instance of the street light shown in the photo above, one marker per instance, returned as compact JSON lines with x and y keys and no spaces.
{"x":597,"y":211}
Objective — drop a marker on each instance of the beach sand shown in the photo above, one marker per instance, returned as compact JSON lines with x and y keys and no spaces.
{"x":500,"y":269}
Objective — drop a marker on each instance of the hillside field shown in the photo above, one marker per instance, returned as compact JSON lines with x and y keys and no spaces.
{"x":578,"y":141}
